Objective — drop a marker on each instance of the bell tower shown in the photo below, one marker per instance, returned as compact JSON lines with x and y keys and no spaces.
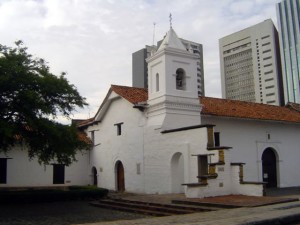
{"x":172,"y":85}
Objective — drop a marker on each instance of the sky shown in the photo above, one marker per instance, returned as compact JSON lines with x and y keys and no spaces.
{"x":93,"y":40}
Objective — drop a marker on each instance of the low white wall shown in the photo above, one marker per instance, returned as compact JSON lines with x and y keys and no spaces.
{"x":221,"y":185}
{"x":244,"y":188}
{"x":22,"y":172}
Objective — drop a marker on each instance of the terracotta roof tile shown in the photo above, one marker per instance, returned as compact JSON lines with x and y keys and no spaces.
{"x":131,"y":94}
{"x":248,"y":110}
{"x":219,"y":107}
{"x":85,"y":122}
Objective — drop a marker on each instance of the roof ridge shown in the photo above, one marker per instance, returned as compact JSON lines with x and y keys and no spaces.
{"x":240,"y":101}
{"x":216,"y":106}
{"x":116,"y":85}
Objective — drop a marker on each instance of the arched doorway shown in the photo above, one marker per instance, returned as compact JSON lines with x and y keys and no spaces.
{"x":177,"y":173}
{"x":269,"y":167}
{"x":95,"y":177}
{"x":120,"y":177}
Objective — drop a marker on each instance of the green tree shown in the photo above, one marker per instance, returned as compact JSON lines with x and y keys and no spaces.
{"x":31,"y":98}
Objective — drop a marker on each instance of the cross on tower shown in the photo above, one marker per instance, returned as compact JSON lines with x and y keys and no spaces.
{"x":170,"y":20}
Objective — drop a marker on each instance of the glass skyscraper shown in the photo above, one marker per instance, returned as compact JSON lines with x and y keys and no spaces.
{"x":288,"y":15}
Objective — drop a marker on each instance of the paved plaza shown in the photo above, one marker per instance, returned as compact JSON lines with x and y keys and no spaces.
{"x":285,"y":213}
{"x":81,"y":213}
{"x":274,"y":213}
{"x":59,"y":213}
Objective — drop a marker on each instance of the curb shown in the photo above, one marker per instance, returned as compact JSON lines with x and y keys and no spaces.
{"x":276,"y":220}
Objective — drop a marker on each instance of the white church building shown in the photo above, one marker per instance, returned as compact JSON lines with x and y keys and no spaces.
{"x":168,"y":140}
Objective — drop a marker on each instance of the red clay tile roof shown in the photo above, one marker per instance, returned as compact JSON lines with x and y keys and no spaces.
{"x":85,"y":122}
{"x":219,"y":107}
{"x":83,"y":137}
{"x":131,"y":94}
{"x":248,"y":110}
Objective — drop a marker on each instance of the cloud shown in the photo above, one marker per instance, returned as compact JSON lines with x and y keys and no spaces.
{"x":242,"y":8}
{"x":92,"y":40}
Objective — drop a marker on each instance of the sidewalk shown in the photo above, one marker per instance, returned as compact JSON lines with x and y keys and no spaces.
{"x":273,"y":214}
{"x":283,"y":213}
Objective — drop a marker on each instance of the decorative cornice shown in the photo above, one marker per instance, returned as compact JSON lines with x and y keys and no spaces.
{"x":174,"y":106}
{"x":173,"y":52}
{"x":187,"y":128}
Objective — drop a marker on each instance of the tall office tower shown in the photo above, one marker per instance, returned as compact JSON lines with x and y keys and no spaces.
{"x":288,"y":16}
{"x":197,"y":49}
{"x":139,"y":65}
{"x":250,"y":65}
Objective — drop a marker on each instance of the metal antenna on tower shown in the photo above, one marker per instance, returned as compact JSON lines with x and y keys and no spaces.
{"x":153,"y":33}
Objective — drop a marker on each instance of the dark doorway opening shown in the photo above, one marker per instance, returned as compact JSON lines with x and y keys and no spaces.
{"x":95,"y":176}
{"x":202,"y":166}
{"x":3,"y":170}
{"x":120,"y":176}
{"x":269,"y":168}
{"x":58,"y":173}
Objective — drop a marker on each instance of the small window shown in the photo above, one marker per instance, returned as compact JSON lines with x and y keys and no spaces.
{"x":119,"y":128}
{"x":264,"y":37}
{"x":202,"y":166}
{"x":3,"y":170}
{"x":157,"y":82}
{"x":180,"y":79}
{"x":217,"y":138}
{"x":58,"y":173}
{"x":138,"y":168}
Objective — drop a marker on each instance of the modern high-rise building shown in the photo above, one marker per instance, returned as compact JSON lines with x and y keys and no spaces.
{"x":197,"y":49}
{"x":139,"y":65}
{"x":250,"y":65}
{"x":288,"y":17}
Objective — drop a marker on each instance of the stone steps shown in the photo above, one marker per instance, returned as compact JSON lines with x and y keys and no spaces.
{"x":153,"y":209}
{"x":170,"y":206}
{"x":212,"y":206}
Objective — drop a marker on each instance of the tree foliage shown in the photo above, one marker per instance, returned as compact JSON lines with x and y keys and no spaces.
{"x":31,"y":98}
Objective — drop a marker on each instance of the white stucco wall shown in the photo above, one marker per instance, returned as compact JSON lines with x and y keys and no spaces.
{"x":249,"y":138}
{"x":159,"y":150}
{"x":241,"y":188}
{"x":127,"y":148}
{"x":166,"y":159}
{"x":22,"y":172}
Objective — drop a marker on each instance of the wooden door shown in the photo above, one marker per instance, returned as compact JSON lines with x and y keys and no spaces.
{"x":120,"y":177}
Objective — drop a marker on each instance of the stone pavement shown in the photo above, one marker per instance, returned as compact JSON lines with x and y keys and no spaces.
{"x":283,"y":213}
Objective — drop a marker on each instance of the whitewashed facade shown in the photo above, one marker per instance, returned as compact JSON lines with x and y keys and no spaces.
{"x":156,"y":141}
{"x":154,"y":145}
{"x":250,"y":138}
